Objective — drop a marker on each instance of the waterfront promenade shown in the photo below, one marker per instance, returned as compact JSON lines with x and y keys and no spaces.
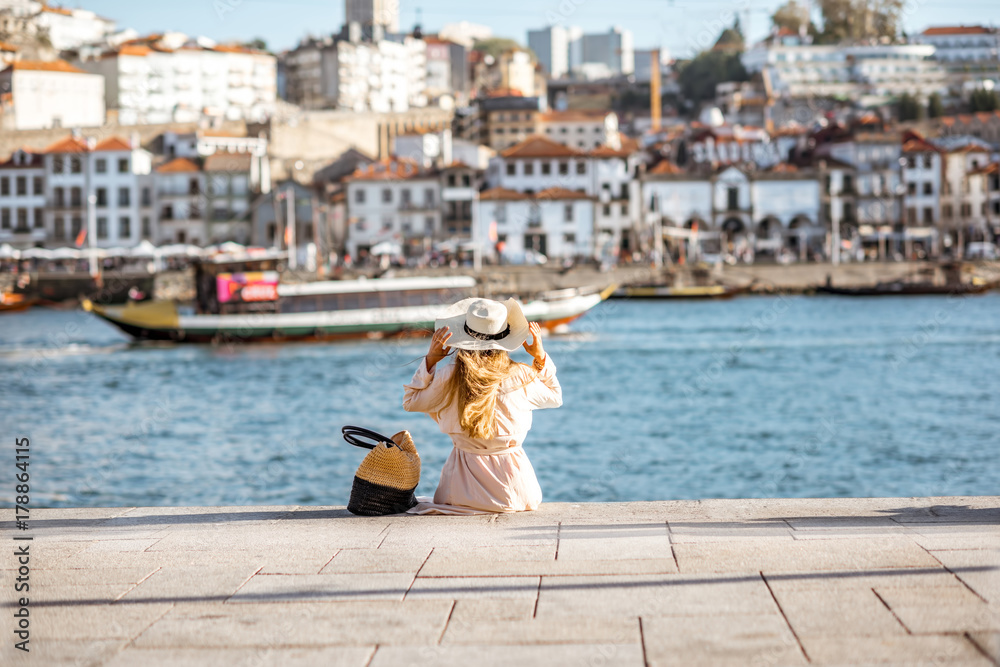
{"x":902,"y":581}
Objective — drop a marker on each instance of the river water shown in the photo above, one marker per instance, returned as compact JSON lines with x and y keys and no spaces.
{"x":756,"y":397}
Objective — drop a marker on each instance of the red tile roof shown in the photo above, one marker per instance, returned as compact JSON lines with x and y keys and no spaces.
{"x":573,"y":116}
{"x":46,"y":66}
{"x":178,"y":165}
{"x":561,"y":193}
{"x":917,"y":145}
{"x":4,"y":46}
{"x":502,"y":194}
{"x":538,"y":146}
{"x":68,"y":144}
{"x":629,"y":146}
{"x":113,"y":144}
{"x":957,"y":30}
{"x":665,"y":167}
{"x":387,"y":170}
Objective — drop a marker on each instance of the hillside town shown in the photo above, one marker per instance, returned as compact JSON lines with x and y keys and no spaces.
{"x":384,"y":144}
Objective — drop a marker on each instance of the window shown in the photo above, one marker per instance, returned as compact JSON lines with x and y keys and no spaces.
{"x":124,"y":197}
{"x":947,"y":212}
{"x":568,"y":213}
{"x":22,"y":218}
{"x":606,"y":211}
{"x":101,"y":166}
{"x":147,"y":227}
{"x":569,"y":238}
{"x":38,"y":187}
{"x":58,"y":197}
{"x":928,"y":189}
{"x":4,"y":186}
{"x":147,"y":196}
{"x":928,"y":215}
{"x":59,"y":230}
{"x":58,"y":163}
{"x":581,"y":167}
{"x":124,"y":227}
{"x":500,"y":212}
{"x":39,"y":218}
{"x":511,"y":169}
{"x":625,"y":210}
{"x":359,"y":196}
{"x":75,"y":197}
{"x":102,"y":197}
{"x":911,"y":216}
{"x":580,"y":130}
{"x":5,"y":218}
{"x":77,"y":226}
{"x":386,"y":196}
{"x":733,"y":198}
{"x":404,"y":195}
{"x":911,"y":188}
{"x":386,"y":223}
{"x":102,"y":228}
{"x":123,"y":167}
{"x":466,"y":180}
{"x":429,"y":223}
{"x":927,"y":161}
{"x":563,"y":168}
{"x":22,"y":186}
{"x":429,"y":197}
{"x":529,"y":168}
{"x":546,"y":168}
{"x":75,"y":165}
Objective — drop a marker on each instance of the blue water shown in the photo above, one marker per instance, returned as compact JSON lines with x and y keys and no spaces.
{"x":762,"y":396}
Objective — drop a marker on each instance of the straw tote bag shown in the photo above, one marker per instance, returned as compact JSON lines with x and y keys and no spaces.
{"x":388,"y":475}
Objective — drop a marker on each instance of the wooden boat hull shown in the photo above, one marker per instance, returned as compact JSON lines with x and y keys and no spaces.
{"x":679,"y":293}
{"x":16,"y":303}
{"x":163,"y":321}
{"x":903,"y":289}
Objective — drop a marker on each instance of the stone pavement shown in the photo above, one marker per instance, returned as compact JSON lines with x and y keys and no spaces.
{"x":903,"y":581}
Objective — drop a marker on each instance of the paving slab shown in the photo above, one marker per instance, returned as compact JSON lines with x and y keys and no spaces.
{"x":323,"y":587}
{"x":714,"y":582}
{"x":894,"y":650}
{"x":737,"y":640}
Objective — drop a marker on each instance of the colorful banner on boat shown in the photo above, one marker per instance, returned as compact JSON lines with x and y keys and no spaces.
{"x":247,"y":287}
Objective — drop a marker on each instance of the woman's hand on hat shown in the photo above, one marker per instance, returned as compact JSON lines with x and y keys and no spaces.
{"x":535,"y":347}
{"x":439,"y":347}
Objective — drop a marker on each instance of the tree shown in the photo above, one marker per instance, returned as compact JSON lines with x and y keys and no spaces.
{"x":495,"y":46}
{"x":910,"y":108}
{"x":935,"y":108}
{"x":853,"y":20}
{"x":791,"y":16}
{"x":984,"y":100}
{"x":699,"y":77}
{"x":258,"y":43}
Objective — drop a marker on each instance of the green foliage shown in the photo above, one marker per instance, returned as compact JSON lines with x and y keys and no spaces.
{"x":495,"y":46}
{"x":699,"y":77}
{"x":853,"y":20}
{"x":791,"y":15}
{"x":258,"y":43}
{"x":935,"y":107}
{"x":984,"y":100}
{"x":910,"y":108}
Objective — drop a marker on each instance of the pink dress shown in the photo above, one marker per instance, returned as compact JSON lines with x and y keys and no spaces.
{"x":485,"y":475}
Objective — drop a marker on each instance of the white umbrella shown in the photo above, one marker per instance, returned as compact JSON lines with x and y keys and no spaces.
{"x":37,"y":253}
{"x":7,"y":251}
{"x":117,"y":252}
{"x":144,"y":249}
{"x":386,"y":248}
{"x":66,"y":253}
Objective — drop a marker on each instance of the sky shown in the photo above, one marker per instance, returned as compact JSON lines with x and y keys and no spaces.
{"x":683,"y":27}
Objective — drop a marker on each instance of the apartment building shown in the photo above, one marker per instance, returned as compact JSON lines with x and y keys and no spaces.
{"x":42,"y":95}
{"x":22,"y":200}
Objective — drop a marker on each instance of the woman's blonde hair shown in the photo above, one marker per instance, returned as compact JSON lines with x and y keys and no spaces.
{"x":476,"y":384}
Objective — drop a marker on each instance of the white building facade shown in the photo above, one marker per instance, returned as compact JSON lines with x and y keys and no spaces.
{"x":22,"y":200}
{"x":555,"y":223}
{"x":393,"y":201}
{"x":974,"y":43}
{"x":157,"y":84}
{"x":49,"y":95}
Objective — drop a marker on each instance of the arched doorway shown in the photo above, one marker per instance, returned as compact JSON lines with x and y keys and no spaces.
{"x":768,"y":241}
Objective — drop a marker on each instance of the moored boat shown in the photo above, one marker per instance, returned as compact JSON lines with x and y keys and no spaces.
{"x":900,"y":288}
{"x":683,"y":292}
{"x":254,"y":307}
{"x":15,"y":303}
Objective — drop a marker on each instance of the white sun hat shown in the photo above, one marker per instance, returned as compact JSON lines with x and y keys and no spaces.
{"x":483,"y":324}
